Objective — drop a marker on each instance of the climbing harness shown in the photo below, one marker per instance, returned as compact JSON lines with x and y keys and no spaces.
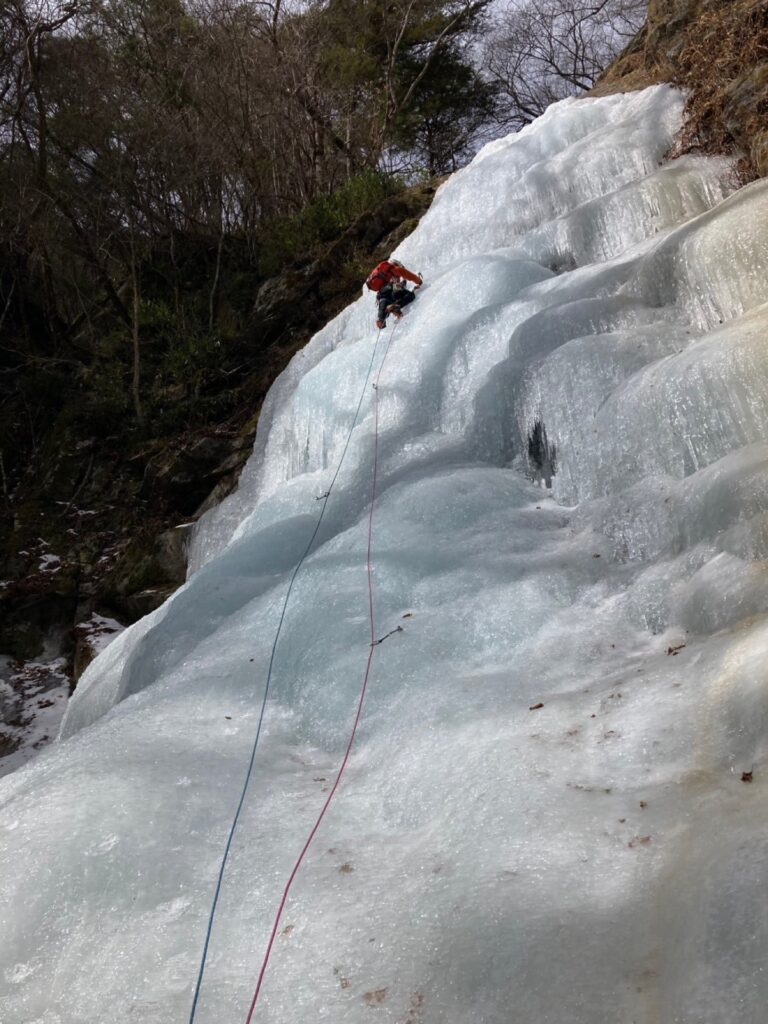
{"x":363,"y":690}
{"x":249,"y":772}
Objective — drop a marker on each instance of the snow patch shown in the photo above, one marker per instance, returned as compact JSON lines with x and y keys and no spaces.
{"x":33,"y":699}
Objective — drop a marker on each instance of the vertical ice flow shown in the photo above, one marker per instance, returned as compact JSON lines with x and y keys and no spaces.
{"x":594,"y":316}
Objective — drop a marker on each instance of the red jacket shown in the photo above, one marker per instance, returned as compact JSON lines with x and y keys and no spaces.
{"x":387,"y":272}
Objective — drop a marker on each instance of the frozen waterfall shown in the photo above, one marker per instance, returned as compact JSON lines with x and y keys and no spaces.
{"x":544,"y":819}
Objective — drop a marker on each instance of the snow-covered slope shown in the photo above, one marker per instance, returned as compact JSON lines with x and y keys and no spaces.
{"x":595,"y":860}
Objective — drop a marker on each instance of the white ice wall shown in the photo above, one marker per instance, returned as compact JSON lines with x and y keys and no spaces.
{"x":597,"y":860}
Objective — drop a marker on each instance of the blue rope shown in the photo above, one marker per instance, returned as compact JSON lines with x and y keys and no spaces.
{"x":236,"y":818}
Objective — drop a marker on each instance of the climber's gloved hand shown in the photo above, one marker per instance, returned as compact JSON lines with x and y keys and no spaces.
{"x":380,"y":324}
{"x":421,"y":282}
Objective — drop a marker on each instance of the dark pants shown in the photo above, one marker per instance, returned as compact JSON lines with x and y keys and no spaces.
{"x":391,"y":296}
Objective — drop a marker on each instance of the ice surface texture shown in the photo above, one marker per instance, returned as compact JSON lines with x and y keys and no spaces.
{"x":598,"y":860}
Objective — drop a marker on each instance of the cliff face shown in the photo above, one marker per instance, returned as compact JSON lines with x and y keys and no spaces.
{"x":718,"y":51}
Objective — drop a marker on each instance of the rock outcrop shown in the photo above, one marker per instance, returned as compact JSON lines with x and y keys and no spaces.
{"x":718,"y":51}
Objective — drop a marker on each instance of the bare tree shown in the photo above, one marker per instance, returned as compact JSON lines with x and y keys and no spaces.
{"x":544,"y":50}
{"x":148,"y":147}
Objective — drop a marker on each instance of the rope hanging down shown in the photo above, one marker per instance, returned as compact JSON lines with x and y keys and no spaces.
{"x":366,"y":676}
{"x":222,"y":867}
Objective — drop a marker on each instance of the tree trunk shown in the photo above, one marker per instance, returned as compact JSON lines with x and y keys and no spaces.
{"x":214,"y":286}
{"x":135,"y":311}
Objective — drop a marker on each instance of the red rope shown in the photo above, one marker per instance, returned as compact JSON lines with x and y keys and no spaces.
{"x":361,"y":700}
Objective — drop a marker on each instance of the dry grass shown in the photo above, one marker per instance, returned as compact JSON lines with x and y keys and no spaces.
{"x":718,"y":51}
{"x":724,"y":64}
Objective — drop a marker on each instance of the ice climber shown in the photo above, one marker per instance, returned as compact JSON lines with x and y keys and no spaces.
{"x":388,"y":281}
